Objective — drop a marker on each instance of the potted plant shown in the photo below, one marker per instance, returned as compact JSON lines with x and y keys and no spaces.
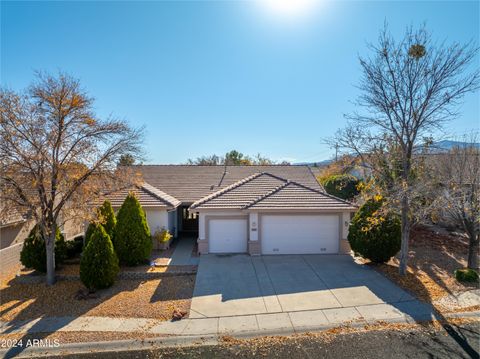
{"x":162,"y":239}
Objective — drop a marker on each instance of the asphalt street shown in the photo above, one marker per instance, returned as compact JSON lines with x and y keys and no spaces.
{"x":454,"y":342}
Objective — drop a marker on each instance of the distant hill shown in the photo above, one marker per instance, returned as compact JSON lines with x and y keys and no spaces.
{"x":447,"y":145}
{"x":314,"y":164}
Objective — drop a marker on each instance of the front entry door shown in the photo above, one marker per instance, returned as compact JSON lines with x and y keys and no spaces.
{"x":189,"y":220}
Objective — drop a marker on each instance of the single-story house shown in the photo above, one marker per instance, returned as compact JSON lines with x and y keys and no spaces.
{"x":267,"y":210}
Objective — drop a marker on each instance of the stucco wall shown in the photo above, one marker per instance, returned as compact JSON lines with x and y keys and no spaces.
{"x":253,"y":235}
{"x":14,"y":234}
{"x":10,"y":258}
{"x":172,"y":223}
{"x":157,"y":219}
{"x":344,"y":245}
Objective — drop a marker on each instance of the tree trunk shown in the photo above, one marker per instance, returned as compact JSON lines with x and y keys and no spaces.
{"x":405,"y":235}
{"x":473,"y":248}
{"x":50,"y":248}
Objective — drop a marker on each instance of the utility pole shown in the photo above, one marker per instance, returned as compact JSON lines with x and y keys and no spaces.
{"x":336,"y":151}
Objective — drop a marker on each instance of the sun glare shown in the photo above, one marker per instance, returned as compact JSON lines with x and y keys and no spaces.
{"x":288,"y":8}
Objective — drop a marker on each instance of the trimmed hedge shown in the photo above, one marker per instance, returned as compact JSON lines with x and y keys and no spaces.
{"x":99,"y":263}
{"x":466,"y":275}
{"x":132,"y":240}
{"x":341,"y":186}
{"x":374,"y":235}
{"x":34,"y":255}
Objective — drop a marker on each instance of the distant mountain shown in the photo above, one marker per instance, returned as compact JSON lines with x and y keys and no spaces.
{"x":314,"y":164}
{"x":447,"y":145}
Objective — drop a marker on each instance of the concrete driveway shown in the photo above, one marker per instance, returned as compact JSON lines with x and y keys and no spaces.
{"x":231,"y":285}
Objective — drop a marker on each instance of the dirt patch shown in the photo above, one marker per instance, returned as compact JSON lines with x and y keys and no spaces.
{"x":156,"y":298}
{"x":433,"y":257}
{"x":74,"y":269}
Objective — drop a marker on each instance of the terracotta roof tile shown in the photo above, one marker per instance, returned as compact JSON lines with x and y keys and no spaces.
{"x":270,"y":192}
{"x":240,"y":193}
{"x":190,"y":183}
{"x":147,"y":195}
{"x":294,"y":196}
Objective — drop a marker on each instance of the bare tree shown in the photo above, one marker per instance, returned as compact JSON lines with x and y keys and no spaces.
{"x":408,"y":90}
{"x":456,"y":189}
{"x":55,"y":154}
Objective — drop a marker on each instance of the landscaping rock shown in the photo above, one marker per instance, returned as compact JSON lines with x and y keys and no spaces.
{"x":85,"y":294}
{"x":178,"y":314}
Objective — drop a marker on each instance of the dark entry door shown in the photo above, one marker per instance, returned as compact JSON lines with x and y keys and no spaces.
{"x":189,"y":220}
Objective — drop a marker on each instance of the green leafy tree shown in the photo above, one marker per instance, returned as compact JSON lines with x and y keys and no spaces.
{"x":126,"y":160}
{"x":374,"y":234}
{"x":99,"y":263}
{"x":342,"y":186}
{"x":132,"y":240}
{"x":33,"y":254}
{"x":237,"y":158}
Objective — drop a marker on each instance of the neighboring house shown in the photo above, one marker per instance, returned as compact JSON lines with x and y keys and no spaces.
{"x":244,"y":209}
{"x":15,"y":227}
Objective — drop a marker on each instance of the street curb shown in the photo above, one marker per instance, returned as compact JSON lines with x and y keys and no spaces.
{"x":187,"y":340}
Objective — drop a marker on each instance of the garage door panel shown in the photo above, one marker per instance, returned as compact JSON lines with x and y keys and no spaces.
{"x":300,"y":234}
{"x":227,"y":236}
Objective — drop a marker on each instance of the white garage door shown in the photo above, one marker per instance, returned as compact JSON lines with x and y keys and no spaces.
{"x":299,"y":234}
{"x":227,"y":236}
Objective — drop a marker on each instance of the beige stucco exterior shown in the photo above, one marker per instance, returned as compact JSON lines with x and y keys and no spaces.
{"x":254,"y":224}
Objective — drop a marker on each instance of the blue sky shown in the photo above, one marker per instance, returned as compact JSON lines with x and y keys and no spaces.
{"x":205,"y":77}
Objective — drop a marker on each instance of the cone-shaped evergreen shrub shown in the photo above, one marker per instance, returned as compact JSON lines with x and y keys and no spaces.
{"x":131,"y":239}
{"x":34,"y":255}
{"x":107,"y":217}
{"x":373,"y":234}
{"x":99,"y":263}
{"x":89,"y":232}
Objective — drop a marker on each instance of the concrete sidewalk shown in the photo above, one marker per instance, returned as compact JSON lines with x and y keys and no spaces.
{"x":182,"y":255}
{"x":259,"y":324}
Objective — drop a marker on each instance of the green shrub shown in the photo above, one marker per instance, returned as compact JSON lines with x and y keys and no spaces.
{"x":466,"y":275}
{"x":162,"y":236}
{"x":89,"y":232}
{"x":341,"y":186}
{"x":375,"y":235}
{"x":131,"y":239}
{"x":107,"y":217}
{"x":74,"y":247}
{"x":34,"y":255}
{"x":99,"y":263}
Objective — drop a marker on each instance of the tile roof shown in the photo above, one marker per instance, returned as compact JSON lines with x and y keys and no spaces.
{"x":147,"y":195}
{"x":240,"y":193}
{"x":294,"y":196}
{"x":189,"y":183}
{"x":268,"y":192}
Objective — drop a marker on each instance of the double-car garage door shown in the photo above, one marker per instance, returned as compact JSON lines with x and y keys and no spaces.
{"x":279,"y":234}
{"x":299,"y":234}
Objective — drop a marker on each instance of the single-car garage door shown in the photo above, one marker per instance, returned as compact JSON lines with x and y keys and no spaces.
{"x":227,"y":235}
{"x":299,"y":234}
